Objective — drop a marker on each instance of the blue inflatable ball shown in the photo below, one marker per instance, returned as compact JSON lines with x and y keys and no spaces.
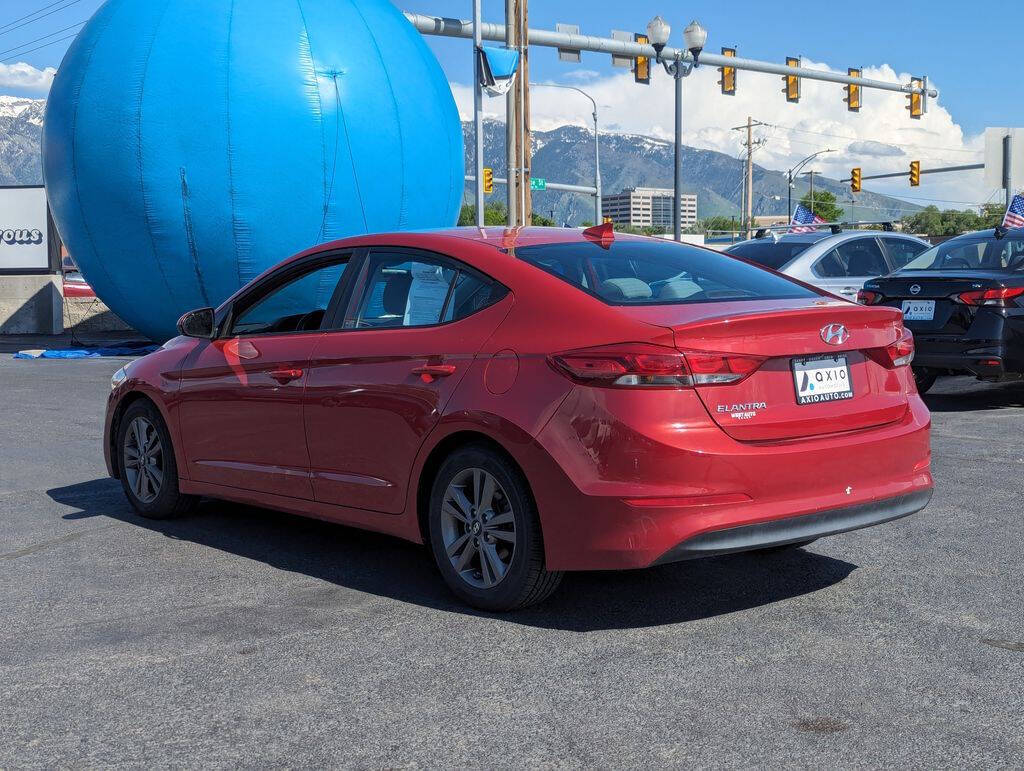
{"x":191,"y":144}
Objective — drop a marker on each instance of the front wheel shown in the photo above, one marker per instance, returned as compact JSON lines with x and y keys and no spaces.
{"x":149,"y":472}
{"x":485,"y":534}
{"x":924,"y":378}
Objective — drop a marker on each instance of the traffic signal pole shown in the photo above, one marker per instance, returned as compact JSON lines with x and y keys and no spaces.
{"x":478,"y":118}
{"x":448,"y":27}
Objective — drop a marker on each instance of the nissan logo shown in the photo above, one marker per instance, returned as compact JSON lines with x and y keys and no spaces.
{"x":915,"y":289}
{"x":834,"y":334}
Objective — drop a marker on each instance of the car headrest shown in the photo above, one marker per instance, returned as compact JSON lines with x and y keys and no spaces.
{"x":625,"y":289}
{"x":679,"y":289}
{"x":396,"y":294}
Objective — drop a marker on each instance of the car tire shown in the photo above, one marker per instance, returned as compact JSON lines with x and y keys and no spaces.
{"x":148,"y":469}
{"x":485,"y":534}
{"x":924,"y":378}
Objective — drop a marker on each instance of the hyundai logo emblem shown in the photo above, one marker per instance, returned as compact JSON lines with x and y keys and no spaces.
{"x":834,"y":334}
{"x":915,"y":289}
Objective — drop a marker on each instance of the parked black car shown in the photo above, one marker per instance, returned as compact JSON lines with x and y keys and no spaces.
{"x":964,"y":302}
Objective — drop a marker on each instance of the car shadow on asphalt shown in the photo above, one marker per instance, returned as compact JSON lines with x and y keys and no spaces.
{"x":389,"y":567}
{"x":967,"y":394}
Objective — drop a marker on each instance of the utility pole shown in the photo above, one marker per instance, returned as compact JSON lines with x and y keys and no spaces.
{"x":517,"y":117}
{"x":478,"y":122}
{"x":511,"y":121}
{"x":751,"y":146}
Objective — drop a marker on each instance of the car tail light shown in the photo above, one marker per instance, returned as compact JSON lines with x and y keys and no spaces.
{"x":867,"y":297}
{"x":898,"y":354}
{"x":653,"y":366}
{"x":1002,"y":298}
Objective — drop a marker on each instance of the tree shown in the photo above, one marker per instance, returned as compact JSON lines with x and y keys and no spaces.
{"x":953,"y":222}
{"x":718,"y":223}
{"x":496,"y":213}
{"x":824,"y":205}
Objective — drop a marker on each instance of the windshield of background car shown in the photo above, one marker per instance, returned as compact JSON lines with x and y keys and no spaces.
{"x":629,"y":272}
{"x":1003,"y":254}
{"x":771,"y":254}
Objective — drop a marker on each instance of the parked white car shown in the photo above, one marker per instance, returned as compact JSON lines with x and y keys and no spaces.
{"x":839,"y":263}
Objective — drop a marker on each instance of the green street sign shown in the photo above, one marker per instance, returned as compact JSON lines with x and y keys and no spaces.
{"x":538,"y":183}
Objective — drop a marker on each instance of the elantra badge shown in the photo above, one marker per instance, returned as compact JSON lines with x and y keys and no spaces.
{"x":915,"y":289}
{"x":834,"y":334}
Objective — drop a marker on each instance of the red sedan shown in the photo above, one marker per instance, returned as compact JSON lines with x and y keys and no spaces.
{"x":532,"y":401}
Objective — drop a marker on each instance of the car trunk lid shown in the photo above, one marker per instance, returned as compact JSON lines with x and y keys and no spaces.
{"x":927,"y":299}
{"x":799,"y":366}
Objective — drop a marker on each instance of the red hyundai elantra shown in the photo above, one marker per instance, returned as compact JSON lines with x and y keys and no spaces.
{"x":532,"y":401}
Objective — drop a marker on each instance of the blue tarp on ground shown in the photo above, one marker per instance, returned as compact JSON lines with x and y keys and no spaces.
{"x":87,"y":353}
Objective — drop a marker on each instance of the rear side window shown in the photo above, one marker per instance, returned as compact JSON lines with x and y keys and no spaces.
{"x":902,"y":250}
{"x":402,"y":290}
{"x":860,"y":257}
{"x":634,"y":272}
{"x":771,"y":254}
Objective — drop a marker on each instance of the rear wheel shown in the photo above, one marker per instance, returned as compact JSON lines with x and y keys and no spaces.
{"x":924,"y":378}
{"x":149,"y":472}
{"x":485,"y":534}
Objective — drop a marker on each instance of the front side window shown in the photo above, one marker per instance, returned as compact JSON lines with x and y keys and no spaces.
{"x":656,"y":272}
{"x":298,"y":305}
{"x":861,"y":257}
{"x":406,"y":291}
{"x":902,"y":250}
{"x":972,"y":253}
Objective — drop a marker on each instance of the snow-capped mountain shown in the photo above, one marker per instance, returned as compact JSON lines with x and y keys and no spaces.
{"x":565,"y":154}
{"x":21,"y":125}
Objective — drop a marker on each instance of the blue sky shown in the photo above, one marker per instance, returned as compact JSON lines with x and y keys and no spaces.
{"x":910,"y":37}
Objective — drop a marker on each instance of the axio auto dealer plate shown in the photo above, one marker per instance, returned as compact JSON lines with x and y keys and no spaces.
{"x":919,"y":310}
{"x":822,"y":379}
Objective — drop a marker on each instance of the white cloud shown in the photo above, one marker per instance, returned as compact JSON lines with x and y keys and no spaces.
{"x":881,"y":138}
{"x":869,"y":147}
{"x":22,"y":75}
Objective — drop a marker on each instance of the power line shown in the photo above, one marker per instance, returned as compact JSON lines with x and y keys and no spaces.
{"x":30,"y":42}
{"x":10,"y":28}
{"x":44,"y":45}
{"x":10,"y":23}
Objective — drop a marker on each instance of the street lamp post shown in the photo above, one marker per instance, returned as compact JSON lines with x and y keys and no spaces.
{"x":795,"y":170}
{"x":598,"y":218}
{"x":694,"y":37}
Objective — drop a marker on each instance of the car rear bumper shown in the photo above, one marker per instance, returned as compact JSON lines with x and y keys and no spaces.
{"x":639,"y":502}
{"x":982,"y":358}
{"x":808,"y":527}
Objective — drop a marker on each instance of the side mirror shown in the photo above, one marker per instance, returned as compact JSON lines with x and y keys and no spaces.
{"x":199,"y":323}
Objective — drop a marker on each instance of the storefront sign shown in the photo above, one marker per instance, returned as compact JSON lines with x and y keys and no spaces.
{"x":23,"y":229}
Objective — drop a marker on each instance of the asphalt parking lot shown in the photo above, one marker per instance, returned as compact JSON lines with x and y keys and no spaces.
{"x":243,"y":637}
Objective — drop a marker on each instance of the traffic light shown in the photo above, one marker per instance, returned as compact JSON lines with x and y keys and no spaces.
{"x":642,"y":70}
{"x":728,"y":81}
{"x":915,"y":173}
{"x":916,"y":101}
{"x":488,"y":181}
{"x":855,"y":180}
{"x":792,"y":89}
{"x":853,"y":91}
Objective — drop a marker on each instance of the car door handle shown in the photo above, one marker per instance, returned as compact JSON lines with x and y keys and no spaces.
{"x":429,"y":372}
{"x":284,"y":376}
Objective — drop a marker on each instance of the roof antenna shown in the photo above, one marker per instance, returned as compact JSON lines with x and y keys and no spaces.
{"x":603,"y":234}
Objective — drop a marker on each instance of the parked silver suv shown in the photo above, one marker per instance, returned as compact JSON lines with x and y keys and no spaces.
{"x":839,"y":263}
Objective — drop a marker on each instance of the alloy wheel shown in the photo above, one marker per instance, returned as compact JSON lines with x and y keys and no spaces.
{"x":143,"y":459}
{"x":478,"y":528}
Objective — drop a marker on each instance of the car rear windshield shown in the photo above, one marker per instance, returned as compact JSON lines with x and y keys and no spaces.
{"x":654,"y":272}
{"x":998,"y":254}
{"x":771,"y":254}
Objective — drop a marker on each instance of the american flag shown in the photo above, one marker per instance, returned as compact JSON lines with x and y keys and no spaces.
{"x":1015,"y":214}
{"x":804,"y":216}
